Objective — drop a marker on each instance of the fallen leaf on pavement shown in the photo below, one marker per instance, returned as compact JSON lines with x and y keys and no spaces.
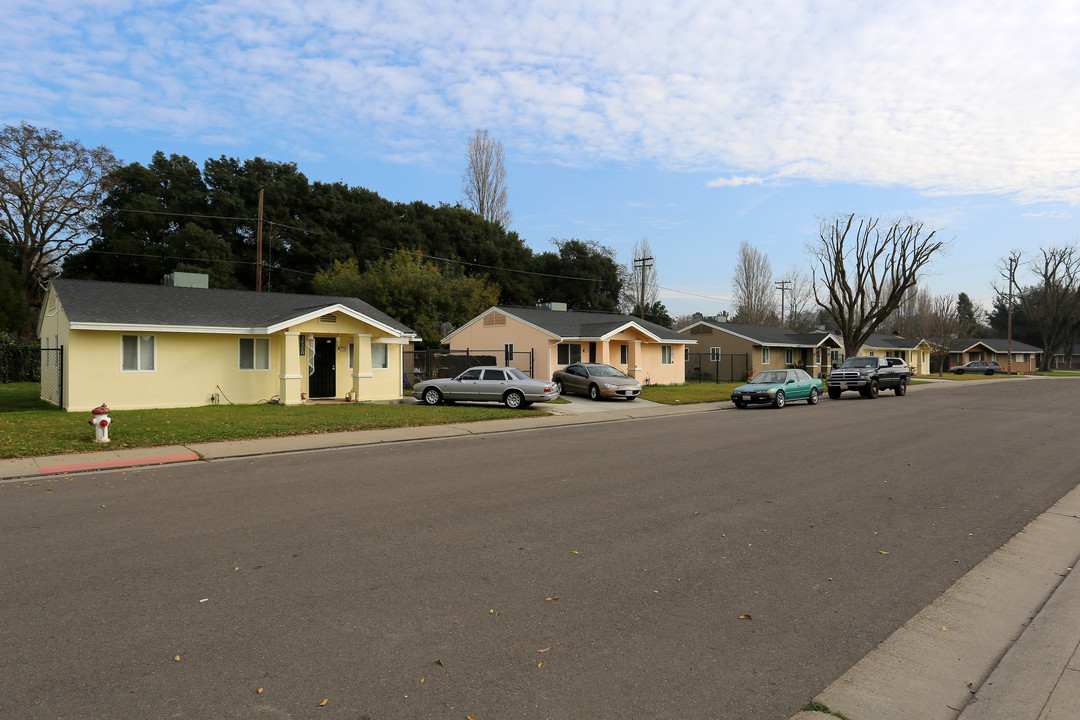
{"x":324,"y":702}
{"x":746,"y":617}
{"x":544,"y":650}
{"x":883,"y":552}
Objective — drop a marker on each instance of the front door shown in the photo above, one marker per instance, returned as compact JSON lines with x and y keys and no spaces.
{"x":322,"y":383}
{"x":592,"y":352}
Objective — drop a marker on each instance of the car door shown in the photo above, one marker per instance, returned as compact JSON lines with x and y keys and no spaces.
{"x":492,"y":385}
{"x":801,"y":385}
{"x":465,"y":386}
{"x":577,"y":380}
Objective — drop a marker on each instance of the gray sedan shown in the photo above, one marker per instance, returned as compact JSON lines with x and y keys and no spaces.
{"x":493,"y":384}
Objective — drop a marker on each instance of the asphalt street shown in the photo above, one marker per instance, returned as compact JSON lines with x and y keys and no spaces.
{"x":727,"y":564}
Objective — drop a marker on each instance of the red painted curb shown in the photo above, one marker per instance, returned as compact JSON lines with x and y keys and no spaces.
{"x":105,"y":464}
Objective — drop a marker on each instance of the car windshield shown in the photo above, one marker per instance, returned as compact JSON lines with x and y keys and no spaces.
{"x":860,"y":362}
{"x":769,"y":378}
{"x":517,"y":374}
{"x":605,"y":371}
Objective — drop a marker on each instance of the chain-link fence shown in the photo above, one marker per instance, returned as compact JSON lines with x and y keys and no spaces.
{"x":22,"y":367}
{"x":707,"y":367}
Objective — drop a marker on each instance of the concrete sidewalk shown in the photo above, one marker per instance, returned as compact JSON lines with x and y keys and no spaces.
{"x":1003,"y":643}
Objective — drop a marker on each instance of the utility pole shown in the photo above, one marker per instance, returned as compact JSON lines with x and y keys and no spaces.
{"x":782,"y":285}
{"x":258,"y":245}
{"x":1014,"y":261}
{"x":643,"y":264}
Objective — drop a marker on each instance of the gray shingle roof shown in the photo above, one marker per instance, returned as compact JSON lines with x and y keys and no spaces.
{"x":772,"y":335}
{"x":573,"y":324}
{"x":888,"y":340}
{"x":91,"y":301}
{"x":998,"y":345}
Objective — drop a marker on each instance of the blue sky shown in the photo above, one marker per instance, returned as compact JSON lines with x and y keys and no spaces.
{"x":696,"y":125}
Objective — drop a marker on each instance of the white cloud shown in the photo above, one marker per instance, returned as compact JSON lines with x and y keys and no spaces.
{"x":736,"y":181}
{"x":966,"y":97}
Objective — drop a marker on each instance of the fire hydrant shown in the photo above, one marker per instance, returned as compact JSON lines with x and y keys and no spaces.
{"x":101,"y":422}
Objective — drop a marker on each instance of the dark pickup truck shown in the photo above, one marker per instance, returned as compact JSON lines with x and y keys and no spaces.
{"x":869,"y":375}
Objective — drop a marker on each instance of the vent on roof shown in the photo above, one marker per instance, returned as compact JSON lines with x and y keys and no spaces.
{"x":558,"y":306}
{"x":186,"y":279}
{"x":328,"y":318}
{"x":699,"y":330}
{"x":494,"y":320}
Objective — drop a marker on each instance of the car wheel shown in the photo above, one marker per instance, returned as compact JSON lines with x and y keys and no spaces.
{"x":594,"y":392}
{"x":901,"y":389}
{"x":958,"y":372}
{"x":872,"y":390}
{"x":432,"y":396}
{"x":835,"y":394}
{"x":740,"y":404}
{"x":812,"y":400}
{"x":989,"y":372}
{"x":514,"y":399}
{"x":558,"y":387}
{"x":780,"y":400}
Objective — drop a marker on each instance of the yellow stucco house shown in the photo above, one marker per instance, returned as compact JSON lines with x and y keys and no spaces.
{"x":557,"y":337}
{"x":916,"y":352}
{"x":151,"y":346}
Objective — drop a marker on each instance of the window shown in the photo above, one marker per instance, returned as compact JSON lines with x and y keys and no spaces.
{"x":378,"y":355}
{"x":495,"y":375}
{"x":714,"y":353}
{"x":624,"y":354}
{"x":789,"y":356}
{"x":254,"y":353}
{"x":352,"y":355}
{"x":470,"y":374}
{"x":568,"y":353}
{"x":871,"y":353}
{"x":508,"y":352}
{"x":666,"y":355}
{"x":765,"y":356}
{"x":138,"y":353}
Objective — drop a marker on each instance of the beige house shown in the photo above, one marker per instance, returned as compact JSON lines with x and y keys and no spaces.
{"x":558,"y":337}
{"x":150,"y":346}
{"x":1025,"y":358}
{"x":915,"y":352}
{"x":766,"y":347}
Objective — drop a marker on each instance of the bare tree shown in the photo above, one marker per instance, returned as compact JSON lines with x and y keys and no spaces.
{"x":914,"y":317}
{"x":640,"y":279}
{"x":798,"y":299}
{"x":484,"y":181}
{"x":1052,"y":305}
{"x":866,"y":271}
{"x":752,"y":288}
{"x":944,"y":327}
{"x":50,"y":191}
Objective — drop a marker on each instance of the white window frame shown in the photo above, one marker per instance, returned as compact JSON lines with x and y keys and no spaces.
{"x":508,"y":352}
{"x":352,"y":355}
{"x":766,"y":355}
{"x":255,"y":343}
{"x":714,"y":354}
{"x":570,"y":350}
{"x":385,"y":357}
{"x":667,"y":355}
{"x":789,"y":356}
{"x":140,"y":365}
{"x":624,"y":354}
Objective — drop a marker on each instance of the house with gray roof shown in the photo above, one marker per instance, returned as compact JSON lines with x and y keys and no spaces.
{"x":917,"y":352}
{"x":766,"y":347}
{"x":1025,"y":358}
{"x":144,"y":346}
{"x":558,"y":337}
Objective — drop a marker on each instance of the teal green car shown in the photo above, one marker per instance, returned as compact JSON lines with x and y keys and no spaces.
{"x":778,"y":388}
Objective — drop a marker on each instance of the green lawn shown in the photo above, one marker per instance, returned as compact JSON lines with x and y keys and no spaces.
{"x":691,"y":392}
{"x":36,"y":432}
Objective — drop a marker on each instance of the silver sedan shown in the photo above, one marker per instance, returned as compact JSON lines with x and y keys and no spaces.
{"x":486,"y":384}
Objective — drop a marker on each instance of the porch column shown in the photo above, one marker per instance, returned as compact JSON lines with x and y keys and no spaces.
{"x":291,"y":378}
{"x":603,"y":352}
{"x":363,"y":379}
{"x":634,"y":368}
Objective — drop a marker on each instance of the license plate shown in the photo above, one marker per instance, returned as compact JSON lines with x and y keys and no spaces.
{"x":843,"y":386}
{"x":746,"y":398}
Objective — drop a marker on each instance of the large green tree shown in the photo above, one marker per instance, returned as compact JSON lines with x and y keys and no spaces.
{"x":418,"y":292}
{"x":583,"y":274}
{"x":50,"y":190}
